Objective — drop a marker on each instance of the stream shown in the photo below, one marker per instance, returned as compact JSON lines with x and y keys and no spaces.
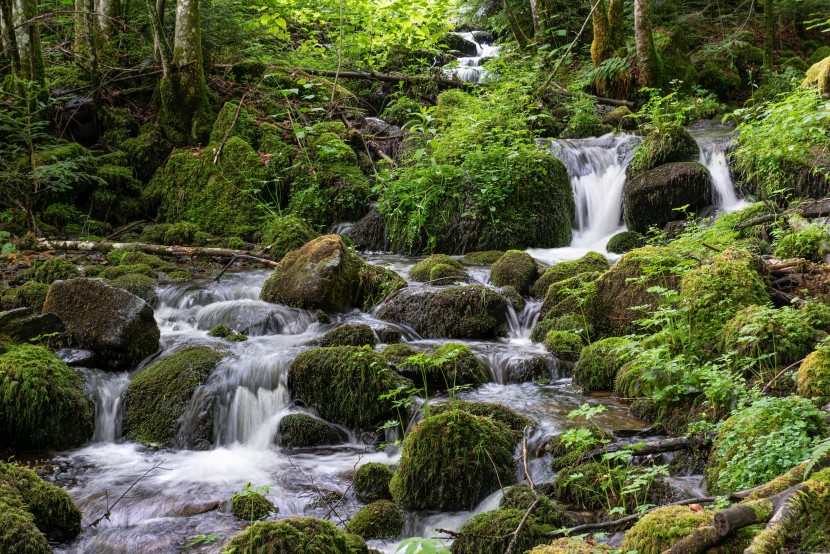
{"x":179,"y":494}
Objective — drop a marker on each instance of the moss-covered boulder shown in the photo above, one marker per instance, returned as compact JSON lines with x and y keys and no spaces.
{"x":740,"y":456}
{"x":422,"y":271}
{"x":30,"y":294}
{"x":140,"y":285}
{"x":22,"y":326}
{"x":667,"y":145}
{"x":371,"y":482}
{"x":127,"y":269}
{"x":249,"y":70}
{"x":448,"y":366}
{"x":660,"y":529}
{"x":592,"y":261}
{"x":283,"y":234}
{"x":55,"y":515}
{"x":814,"y":375}
{"x":118,"y":326}
{"x":473,"y":312}
{"x":651,"y":198}
{"x":617,"y":116}
{"x":572,"y":546}
{"x":344,"y":383}
{"x":599,"y":363}
{"x":396,"y":354}
{"x":444,"y":465}
{"x":349,"y":334}
{"x":576,"y":285}
{"x":302,"y":431}
{"x":55,"y":269}
{"x":308,"y":535}
{"x":159,"y":395}
{"x":715,"y":291}
{"x":222,"y":331}
{"x":251,"y":506}
{"x":379,"y":520}
{"x":486,"y":257}
{"x":625,"y":241}
{"x":43,"y":402}
{"x":491,"y":533}
{"x":521,"y":497}
{"x":516,"y":269}
{"x":326,"y":275}
{"x":565,"y":344}
{"x":18,"y":532}
{"x":565,"y":322}
{"x":491,"y":410}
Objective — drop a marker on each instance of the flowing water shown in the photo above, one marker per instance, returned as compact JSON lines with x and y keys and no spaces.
{"x":469,"y":68}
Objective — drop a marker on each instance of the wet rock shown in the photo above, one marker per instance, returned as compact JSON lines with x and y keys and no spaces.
{"x":457,"y":43}
{"x":625,"y":241}
{"x":75,"y":357}
{"x":371,"y":482}
{"x":370,"y":233}
{"x":651,"y":198}
{"x":302,"y":431}
{"x":378,"y":520}
{"x":297,"y":534}
{"x":516,"y":269}
{"x":21,"y":325}
{"x":118,"y":326}
{"x":437,"y":266}
{"x":450,"y":365}
{"x":473,"y":312}
{"x":523,"y":370}
{"x":349,"y":334}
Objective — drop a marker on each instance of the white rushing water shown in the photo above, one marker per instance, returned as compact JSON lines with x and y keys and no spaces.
{"x":469,"y":68}
{"x":714,"y":144}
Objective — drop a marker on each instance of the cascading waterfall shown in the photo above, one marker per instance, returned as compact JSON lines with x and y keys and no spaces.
{"x":469,"y":68}
{"x":714,"y":145}
{"x":106,"y":388}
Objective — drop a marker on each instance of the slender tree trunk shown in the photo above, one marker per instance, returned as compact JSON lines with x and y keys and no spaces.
{"x":9,"y":39}
{"x":616,"y":24}
{"x":91,"y":31}
{"x":515,"y":28}
{"x":538,"y":24}
{"x":161,"y":47}
{"x":27,"y":32}
{"x":107,"y":11}
{"x":769,"y":32}
{"x":601,"y":45}
{"x":649,"y":65}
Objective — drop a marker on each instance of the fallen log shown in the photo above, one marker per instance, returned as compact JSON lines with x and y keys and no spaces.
{"x":372,"y":76}
{"x":104,"y":246}
{"x":808,"y":210}
{"x":647,"y":449}
{"x":598,"y":99}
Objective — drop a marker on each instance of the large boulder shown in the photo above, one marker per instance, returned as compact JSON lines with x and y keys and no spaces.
{"x":668,"y":145}
{"x":344,"y":384}
{"x":326,"y":275}
{"x":159,"y":395}
{"x":450,"y":365}
{"x":474,"y":312}
{"x":515,"y":268}
{"x":303,"y":431}
{"x":43,"y":402}
{"x":651,"y":198}
{"x":118,"y":326}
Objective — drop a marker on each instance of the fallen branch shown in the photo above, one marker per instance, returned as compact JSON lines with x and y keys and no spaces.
{"x":230,"y":129}
{"x":106,"y":515}
{"x":372,"y":76}
{"x":598,"y":99}
{"x":648,"y":449}
{"x":125,"y":229}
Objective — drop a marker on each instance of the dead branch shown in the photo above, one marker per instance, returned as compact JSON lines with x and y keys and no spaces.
{"x":230,"y":129}
{"x":125,"y":229}
{"x":648,"y":449}
{"x":562,"y":91}
{"x":106,"y":515}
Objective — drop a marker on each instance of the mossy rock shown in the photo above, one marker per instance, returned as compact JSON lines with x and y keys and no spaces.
{"x":651,"y":197}
{"x":565,"y":344}
{"x":18,"y":532}
{"x":349,"y":334}
{"x":572,"y":546}
{"x":667,"y":145}
{"x":251,"y":506}
{"x":592,"y":261}
{"x":448,"y":366}
{"x":379,"y":520}
{"x":396,"y":354}
{"x":422,"y":271}
{"x":491,"y":410}
{"x":285,"y":234}
{"x":159,"y":395}
{"x":303,"y":431}
{"x":129,"y":269}
{"x":140,"y":285}
{"x":486,"y":257}
{"x":444,"y":465}
{"x":562,"y":289}
{"x":616,"y":117}
{"x":54,"y":513}
{"x":308,"y":535}
{"x":30,"y":294}
{"x":344,"y":383}
{"x":55,"y":269}
{"x":625,"y":241}
{"x":566,"y":455}
{"x":817,"y":56}
{"x":370,"y":233}
{"x":371,"y":482}
{"x":222,"y":331}
{"x":460,"y":312}
{"x":146,"y":152}
{"x":443,"y":274}
{"x":135,"y":257}
{"x":599,"y":363}
{"x":566,"y":322}
{"x":43,"y":402}
{"x":521,"y":497}
{"x":814,"y":375}
{"x":515,"y":268}
{"x":248,"y":70}
{"x":115,"y":324}
{"x":794,"y":62}
{"x":716,"y":291}
{"x":772,"y":338}
{"x":660,"y":529}
{"x":491,"y":532}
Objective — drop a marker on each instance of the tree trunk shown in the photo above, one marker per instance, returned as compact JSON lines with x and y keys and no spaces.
{"x":185,"y":102}
{"x":515,"y":28}
{"x":601,"y":47}
{"x":538,"y":24}
{"x":616,"y":24}
{"x":161,"y":48}
{"x":27,"y":32}
{"x":769,"y":32}
{"x":107,"y":11}
{"x":9,"y":39}
{"x":649,"y":65}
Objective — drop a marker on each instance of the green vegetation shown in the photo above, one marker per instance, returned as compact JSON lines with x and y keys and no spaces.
{"x":296,"y":534}
{"x":593,"y":261}
{"x":349,"y":334}
{"x":378,"y":520}
{"x":250,"y":505}
{"x":371,"y":482}
{"x":448,"y":366}
{"x":599,"y":363}
{"x":516,"y":269}
{"x":302,"y":430}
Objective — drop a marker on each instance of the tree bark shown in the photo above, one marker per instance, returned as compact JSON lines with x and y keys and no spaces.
{"x":9,"y":38}
{"x":769,"y":32}
{"x":538,"y":25}
{"x":515,"y":28}
{"x":649,"y":65}
{"x":27,"y":34}
{"x":107,"y":11}
{"x":601,"y":47}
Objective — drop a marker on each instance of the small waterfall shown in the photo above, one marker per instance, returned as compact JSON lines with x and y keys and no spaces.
{"x":469,"y":69}
{"x":106,"y":388}
{"x":713,"y":146}
{"x":520,"y":325}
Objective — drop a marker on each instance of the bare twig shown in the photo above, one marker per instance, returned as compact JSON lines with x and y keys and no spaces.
{"x":318,"y":491}
{"x":108,"y":512}
{"x":230,"y":129}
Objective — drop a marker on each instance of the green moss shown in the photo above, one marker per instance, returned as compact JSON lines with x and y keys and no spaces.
{"x":241,"y":125}
{"x":30,"y":294}
{"x":159,"y":395}
{"x":817,"y":314}
{"x":660,"y":529}
{"x":491,"y":533}
{"x":344,"y":384}
{"x":487,"y":257}
{"x":521,"y":497}
{"x":249,"y":69}
{"x":515,"y":298}
{"x":625,"y":241}
{"x":452,"y":461}
{"x":224,"y":332}
{"x":572,"y":546}
{"x":666,"y":145}
{"x":565,"y":344}
{"x":562,"y":289}
{"x":819,"y":55}
{"x":814,"y":375}
{"x":251,"y":506}
{"x":371,"y":482}
{"x":376,"y":284}
{"x":135,"y":257}
{"x":296,"y":534}
{"x":146,"y":152}
{"x":443,"y":274}
{"x":378,"y":520}
{"x":18,"y":532}
{"x":302,"y":431}
{"x":55,"y":269}
{"x":491,"y":410}
{"x":118,"y":271}
{"x":138,"y":284}
{"x":450,"y":365}
{"x":515,"y":268}
{"x":284,"y":234}
{"x":768,"y":338}
{"x":599,"y":363}
{"x":43,"y":402}
{"x":810,"y":242}
{"x":178,"y":276}
{"x":349,"y":334}
{"x":422,"y":271}
{"x":592,"y":261}
{"x":568,"y":322}
{"x":397,"y":353}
